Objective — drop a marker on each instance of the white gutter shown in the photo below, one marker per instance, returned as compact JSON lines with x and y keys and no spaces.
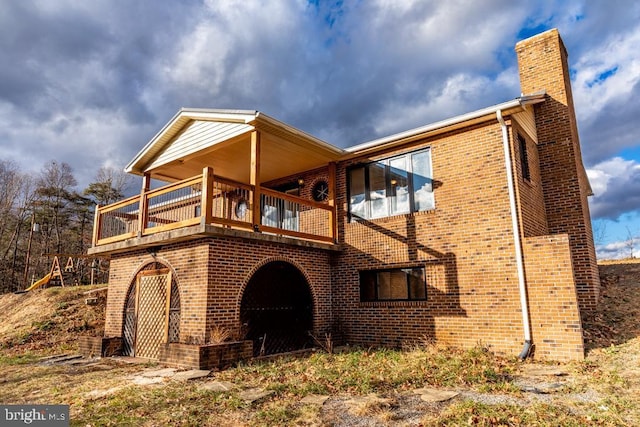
{"x":516,"y":239}
{"x":277,"y":123}
{"x":521,"y":101}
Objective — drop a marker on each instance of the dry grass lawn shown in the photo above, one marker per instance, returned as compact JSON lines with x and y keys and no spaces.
{"x":355,"y":387}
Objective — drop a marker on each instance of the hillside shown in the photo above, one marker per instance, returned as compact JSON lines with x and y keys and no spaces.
{"x":49,"y":320}
{"x":617,"y":319}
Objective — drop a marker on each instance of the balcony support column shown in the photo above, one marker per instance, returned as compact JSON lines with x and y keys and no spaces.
{"x":207,"y":195}
{"x":255,"y":179}
{"x":97,"y":224}
{"x":143,"y":210}
{"x":333,"y":221}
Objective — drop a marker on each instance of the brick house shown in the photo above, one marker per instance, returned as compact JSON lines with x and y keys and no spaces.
{"x":475,"y":229}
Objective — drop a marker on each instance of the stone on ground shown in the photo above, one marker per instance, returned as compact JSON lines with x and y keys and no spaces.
{"x":190,"y":375}
{"x":314,"y":399}
{"x":219,"y":386}
{"x":435,"y":395}
{"x":166,"y":372}
{"x":140,"y":380}
{"x":254,"y":394}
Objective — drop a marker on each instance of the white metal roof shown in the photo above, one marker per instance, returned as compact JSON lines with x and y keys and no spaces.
{"x":219,"y":138}
{"x":509,"y":106}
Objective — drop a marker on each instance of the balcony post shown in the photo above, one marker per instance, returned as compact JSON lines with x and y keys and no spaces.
{"x":97,"y":224}
{"x":333,"y":220}
{"x":207,"y":195}
{"x":144,"y":205}
{"x":255,"y":179}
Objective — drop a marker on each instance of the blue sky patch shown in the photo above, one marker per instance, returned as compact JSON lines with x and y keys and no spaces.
{"x":603,"y":76}
{"x":630,"y":153}
{"x":529,"y":31}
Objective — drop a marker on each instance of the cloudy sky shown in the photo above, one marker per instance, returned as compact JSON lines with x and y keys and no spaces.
{"x":90,"y":82}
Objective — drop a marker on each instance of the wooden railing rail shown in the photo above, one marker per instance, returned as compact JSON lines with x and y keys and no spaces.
{"x":215,"y":200}
{"x":289,"y":215}
{"x":173,"y":206}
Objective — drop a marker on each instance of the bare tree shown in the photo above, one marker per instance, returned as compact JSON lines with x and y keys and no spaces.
{"x":630,"y":243}
{"x":109,"y":186}
{"x":599,"y":227}
{"x":43,"y":214}
{"x":16,"y":195}
{"x":55,"y":190}
{"x":10,"y":184}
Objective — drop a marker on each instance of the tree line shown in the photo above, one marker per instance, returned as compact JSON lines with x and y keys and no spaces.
{"x":43,"y":214}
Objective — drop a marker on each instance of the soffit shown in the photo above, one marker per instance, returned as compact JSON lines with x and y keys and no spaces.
{"x":487,"y":114}
{"x":221,"y":139}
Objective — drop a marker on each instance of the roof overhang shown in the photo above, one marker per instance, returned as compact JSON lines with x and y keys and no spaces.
{"x":458,"y":122}
{"x":221,"y":139}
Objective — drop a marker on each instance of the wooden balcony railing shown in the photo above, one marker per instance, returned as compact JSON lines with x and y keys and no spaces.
{"x":217,"y":201}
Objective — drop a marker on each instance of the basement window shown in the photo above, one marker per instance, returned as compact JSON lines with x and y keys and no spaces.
{"x":400,"y":284}
{"x":393,"y":186}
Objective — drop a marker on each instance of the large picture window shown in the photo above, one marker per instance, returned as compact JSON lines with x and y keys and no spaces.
{"x":400,"y":284}
{"x":393,"y":186}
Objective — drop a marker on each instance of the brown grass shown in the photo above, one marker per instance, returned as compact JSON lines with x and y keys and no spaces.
{"x":48,"y":321}
{"x":365,"y":386}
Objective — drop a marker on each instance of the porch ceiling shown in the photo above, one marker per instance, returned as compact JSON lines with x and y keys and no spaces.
{"x":221,"y":139}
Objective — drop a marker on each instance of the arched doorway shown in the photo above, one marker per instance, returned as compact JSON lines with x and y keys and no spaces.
{"x":277,"y":309}
{"x":152,"y":312}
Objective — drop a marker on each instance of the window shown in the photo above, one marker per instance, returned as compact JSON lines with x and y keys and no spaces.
{"x":524,"y":158}
{"x":392,"y":186}
{"x":280,"y":213}
{"x":401,"y":284}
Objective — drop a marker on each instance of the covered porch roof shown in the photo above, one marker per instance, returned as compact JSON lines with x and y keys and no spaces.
{"x":221,"y":139}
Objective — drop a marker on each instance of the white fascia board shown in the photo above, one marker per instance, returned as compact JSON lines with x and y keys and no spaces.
{"x":148,"y":145}
{"x":277,"y":123}
{"x":234,"y":116}
{"x":488,"y":111}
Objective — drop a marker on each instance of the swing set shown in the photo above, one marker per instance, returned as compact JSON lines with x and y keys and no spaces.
{"x":58,"y":276}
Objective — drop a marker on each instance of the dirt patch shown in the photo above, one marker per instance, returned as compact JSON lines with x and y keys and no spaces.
{"x":617,"y":318}
{"x":49,"y":320}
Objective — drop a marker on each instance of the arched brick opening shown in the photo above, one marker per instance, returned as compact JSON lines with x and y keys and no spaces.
{"x":151,"y":314}
{"x":276,"y":310}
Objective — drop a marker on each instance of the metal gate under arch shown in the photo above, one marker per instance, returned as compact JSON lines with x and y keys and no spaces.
{"x":152,"y":313}
{"x":277,"y":309}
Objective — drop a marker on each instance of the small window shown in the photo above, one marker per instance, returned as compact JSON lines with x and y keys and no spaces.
{"x":400,"y":284}
{"x":524,"y":158}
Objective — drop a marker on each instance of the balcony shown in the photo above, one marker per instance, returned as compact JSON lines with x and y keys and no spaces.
{"x":191,"y":207}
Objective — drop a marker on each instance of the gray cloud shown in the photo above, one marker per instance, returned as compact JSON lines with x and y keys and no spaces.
{"x":614,"y":128}
{"x":91,"y":82}
{"x":616,"y":187}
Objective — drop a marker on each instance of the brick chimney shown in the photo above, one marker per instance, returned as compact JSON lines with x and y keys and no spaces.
{"x":543,"y":65}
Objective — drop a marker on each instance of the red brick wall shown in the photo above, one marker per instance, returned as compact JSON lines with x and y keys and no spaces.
{"x":211,"y":274}
{"x":529,"y":193}
{"x":466,"y":244}
{"x":188,"y":262}
{"x":543,"y":65}
{"x":232,"y":263}
{"x":217,"y":356}
{"x":553,"y":303}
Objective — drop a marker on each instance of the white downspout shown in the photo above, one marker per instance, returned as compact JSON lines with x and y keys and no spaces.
{"x":516,"y":239}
